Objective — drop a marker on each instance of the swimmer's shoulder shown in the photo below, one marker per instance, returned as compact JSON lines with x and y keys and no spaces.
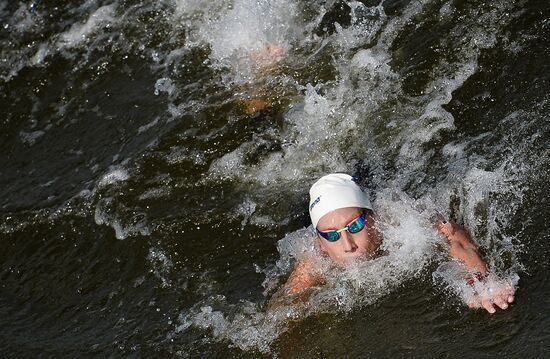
{"x":305,"y":274}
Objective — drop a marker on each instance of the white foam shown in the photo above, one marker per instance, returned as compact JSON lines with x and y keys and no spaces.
{"x":29,"y":18}
{"x":30,"y":138}
{"x":165,"y":85}
{"x":148,"y":126}
{"x":324,"y":129}
{"x":332,"y":126}
{"x":40,"y":55}
{"x":249,"y":329}
{"x":373,"y":62}
{"x":183,"y":154}
{"x":116,"y":174}
{"x":365,"y":25}
{"x":81,"y":31}
{"x":155,"y":193}
{"x":238,"y":34}
{"x":193,"y":9}
{"x":162,"y":265}
{"x":126,"y":223}
{"x":308,"y":147}
{"x":50,"y":182}
{"x":246,"y":209}
{"x":23,"y":19}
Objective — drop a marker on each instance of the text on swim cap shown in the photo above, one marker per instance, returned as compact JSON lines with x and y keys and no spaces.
{"x":314,"y":203}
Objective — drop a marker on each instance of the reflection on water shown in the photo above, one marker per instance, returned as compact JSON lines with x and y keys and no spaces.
{"x":156,"y":159}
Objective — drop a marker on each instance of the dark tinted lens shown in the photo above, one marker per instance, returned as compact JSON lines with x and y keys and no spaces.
{"x":330,"y":236}
{"x":356,"y":225}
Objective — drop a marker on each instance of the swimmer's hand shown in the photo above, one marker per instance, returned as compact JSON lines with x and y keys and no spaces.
{"x":491,"y":292}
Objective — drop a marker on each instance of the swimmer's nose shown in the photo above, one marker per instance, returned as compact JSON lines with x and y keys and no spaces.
{"x":348,"y":243}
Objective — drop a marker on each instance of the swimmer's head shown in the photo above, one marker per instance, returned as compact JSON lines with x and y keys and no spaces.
{"x":339,"y":211}
{"x":334,"y":191}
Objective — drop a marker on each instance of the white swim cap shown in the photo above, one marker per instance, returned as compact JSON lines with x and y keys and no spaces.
{"x":333,"y":191}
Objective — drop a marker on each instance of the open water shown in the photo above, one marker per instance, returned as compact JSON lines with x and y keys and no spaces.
{"x":156,"y":156}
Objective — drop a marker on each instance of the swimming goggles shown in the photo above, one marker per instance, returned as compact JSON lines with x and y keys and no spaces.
{"x":353,"y":227}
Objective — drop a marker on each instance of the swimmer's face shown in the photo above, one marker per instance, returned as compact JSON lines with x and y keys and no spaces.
{"x":349,"y":246}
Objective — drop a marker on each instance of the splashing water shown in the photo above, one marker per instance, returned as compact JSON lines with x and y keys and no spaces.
{"x":132,"y":158}
{"x":335,"y":124}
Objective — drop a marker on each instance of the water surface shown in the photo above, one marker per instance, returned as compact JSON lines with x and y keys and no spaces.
{"x":147,"y":211}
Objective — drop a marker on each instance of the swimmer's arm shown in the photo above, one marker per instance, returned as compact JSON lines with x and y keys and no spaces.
{"x":461,"y":247}
{"x":302,"y":277}
{"x":464,"y":250}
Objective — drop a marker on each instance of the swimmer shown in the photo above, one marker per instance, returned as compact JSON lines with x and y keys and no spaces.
{"x":263,"y":62}
{"x":267,"y":55}
{"x":343,"y":218}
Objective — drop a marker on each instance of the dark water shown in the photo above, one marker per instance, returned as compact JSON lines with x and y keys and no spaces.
{"x":141,"y":202}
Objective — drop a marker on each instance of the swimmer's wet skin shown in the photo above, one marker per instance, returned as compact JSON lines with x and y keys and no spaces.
{"x":343,"y":218}
{"x":265,"y":61}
